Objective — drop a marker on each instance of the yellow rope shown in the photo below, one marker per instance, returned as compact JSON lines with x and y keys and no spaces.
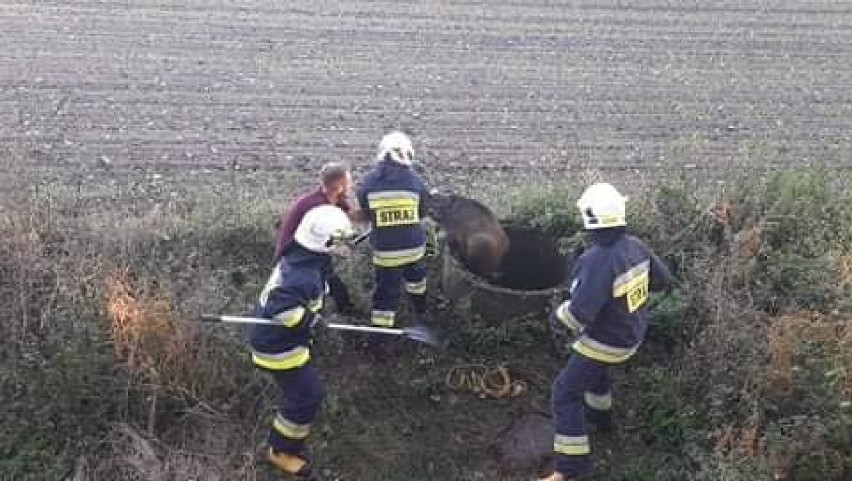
{"x":487,"y":382}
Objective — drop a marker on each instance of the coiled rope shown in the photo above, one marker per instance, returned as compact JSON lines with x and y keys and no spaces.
{"x":487,"y":382}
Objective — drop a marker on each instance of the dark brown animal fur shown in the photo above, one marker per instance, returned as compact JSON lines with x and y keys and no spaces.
{"x":474,"y":234}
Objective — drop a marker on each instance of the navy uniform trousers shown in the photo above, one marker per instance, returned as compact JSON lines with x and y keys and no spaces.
{"x":301,"y":396}
{"x":388,"y":291}
{"x":582,"y":388}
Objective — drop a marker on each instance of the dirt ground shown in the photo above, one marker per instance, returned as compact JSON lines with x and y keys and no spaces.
{"x":534,"y":86}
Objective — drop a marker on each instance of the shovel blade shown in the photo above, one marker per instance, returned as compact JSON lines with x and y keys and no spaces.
{"x":422,"y":334}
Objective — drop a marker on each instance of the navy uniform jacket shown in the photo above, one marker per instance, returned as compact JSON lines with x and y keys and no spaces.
{"x":293,"y":295}
{"x":393,"y":195}
{"x":610,"y":283}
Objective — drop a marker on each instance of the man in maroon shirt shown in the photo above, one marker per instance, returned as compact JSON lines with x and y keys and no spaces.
{"x":335,"y":182}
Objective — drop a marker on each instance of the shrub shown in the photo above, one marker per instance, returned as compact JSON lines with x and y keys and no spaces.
{"x":56,"y":410}
{"x":735,"y":381}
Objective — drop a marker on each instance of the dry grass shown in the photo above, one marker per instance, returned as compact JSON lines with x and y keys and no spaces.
{"x":787,"y":333}
{"x":746,"y":441}
{"x":146,"y":335}
{"x":169,"y":355}
{"x":134,"y":454}
{"x":843,"y":265}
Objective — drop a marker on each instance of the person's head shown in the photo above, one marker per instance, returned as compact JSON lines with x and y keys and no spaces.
{"x":322,"y":228}
{"x":602,"y":207}
{"x":336,"y":180}
{"x":396,"y":147}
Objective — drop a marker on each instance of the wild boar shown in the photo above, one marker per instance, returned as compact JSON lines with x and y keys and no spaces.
{"x":474,"y":235}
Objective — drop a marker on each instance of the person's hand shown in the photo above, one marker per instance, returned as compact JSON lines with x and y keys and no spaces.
{"x":432,"y":242}
{"x":556,"y":325}
{"x":341,"y":250}
{"x":318,"y":321}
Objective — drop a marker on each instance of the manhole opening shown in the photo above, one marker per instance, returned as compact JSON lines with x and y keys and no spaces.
{"x":533,"y":261}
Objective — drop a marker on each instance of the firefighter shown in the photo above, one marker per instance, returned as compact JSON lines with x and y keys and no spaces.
{"x":294,"y":296}
{"x":607,"y":311}
{"x":335,"y":184}
{"x":392,"y":196}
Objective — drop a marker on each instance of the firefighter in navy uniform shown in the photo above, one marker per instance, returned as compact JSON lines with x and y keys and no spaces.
{"x":608,"y":312}
{"x":294,"y":296}
{"x":392,"y":195}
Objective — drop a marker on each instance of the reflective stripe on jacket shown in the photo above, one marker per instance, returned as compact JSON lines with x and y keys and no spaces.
{"x":610,"y":285}
{"x":392,"y":194}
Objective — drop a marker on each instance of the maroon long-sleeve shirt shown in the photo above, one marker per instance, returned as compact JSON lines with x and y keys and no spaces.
{"x":294,"y":215}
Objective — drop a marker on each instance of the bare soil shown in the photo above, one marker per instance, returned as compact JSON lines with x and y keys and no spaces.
{"x":511,"y":87}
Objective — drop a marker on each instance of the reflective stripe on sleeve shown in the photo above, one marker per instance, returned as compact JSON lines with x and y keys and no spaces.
{"x":315,"y":305}
{"x":563,"y":312}
{"x":290,"y":317}
{"x":392,"y":195}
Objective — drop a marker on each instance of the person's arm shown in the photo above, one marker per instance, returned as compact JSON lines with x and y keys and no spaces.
{"x":363,"y":208}
{"x":424,"y":197}
{"x":288,"y":306}
{"x":591,"y":289}
{"x":287,"y":229}
{"x":358,"y":216}
{"x":661,"y":277}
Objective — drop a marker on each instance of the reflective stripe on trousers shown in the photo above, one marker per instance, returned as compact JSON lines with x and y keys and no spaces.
{"x":398,"y":258}
{"x":301,"y":394}
{"x":383,"y":318}
{"x":290,"y":359}
{"x":388,"y":291}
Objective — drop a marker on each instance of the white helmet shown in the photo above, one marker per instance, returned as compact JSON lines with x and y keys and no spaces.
{"x":398,"y":145}
{"x":321,"y":226}
{"x":602,"y":206}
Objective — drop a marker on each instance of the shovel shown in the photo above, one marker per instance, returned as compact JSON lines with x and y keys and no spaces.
{"x":361,"y":237}
{"x":417,"y":333}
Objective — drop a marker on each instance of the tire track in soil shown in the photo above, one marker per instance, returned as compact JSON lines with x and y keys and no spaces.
{"x":565,"y":85}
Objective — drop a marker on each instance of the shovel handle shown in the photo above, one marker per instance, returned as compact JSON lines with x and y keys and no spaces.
{"x":379,"y":330}
{"x":236,"y":319}
{"x":360,"y":238}
{"x":331,"y":325}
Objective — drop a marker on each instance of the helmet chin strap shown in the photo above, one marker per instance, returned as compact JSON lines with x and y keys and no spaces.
{"x":591,"y":216}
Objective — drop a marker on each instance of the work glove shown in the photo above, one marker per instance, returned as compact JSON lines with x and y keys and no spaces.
{"x":432,"y":242}
{"x":317,"y":321}
{"x":341,"y":250}
{"x":558,"y":334}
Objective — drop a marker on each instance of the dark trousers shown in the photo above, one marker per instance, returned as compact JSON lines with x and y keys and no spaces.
{"x":388,"y":290}
{"x":583,"y":384}
{"x":301,"y":394}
